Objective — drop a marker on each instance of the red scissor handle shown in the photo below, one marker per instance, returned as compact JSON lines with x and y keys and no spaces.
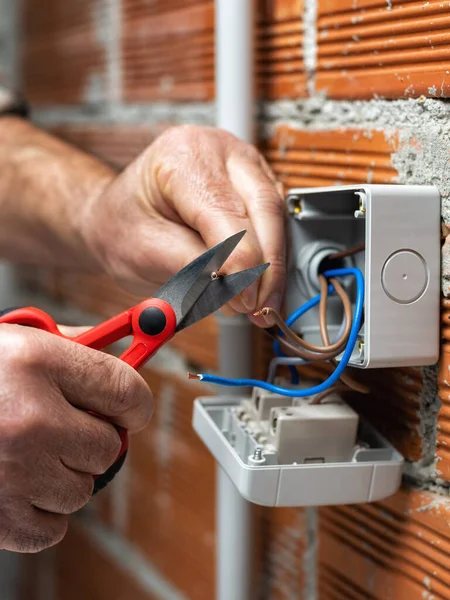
{"x":151,"y":323}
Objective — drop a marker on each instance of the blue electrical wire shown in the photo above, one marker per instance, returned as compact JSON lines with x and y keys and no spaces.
{"x":295,"y":379}
{"x":334,"y":377}
{"x":291,"y":319}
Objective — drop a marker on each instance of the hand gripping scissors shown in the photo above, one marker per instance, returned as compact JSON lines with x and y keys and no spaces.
{"x":188,"y":297}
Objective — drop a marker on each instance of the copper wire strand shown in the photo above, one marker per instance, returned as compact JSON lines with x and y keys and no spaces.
{"x":327,"y":349}
{"x":348,"y":252}
{"x":345,"y":377}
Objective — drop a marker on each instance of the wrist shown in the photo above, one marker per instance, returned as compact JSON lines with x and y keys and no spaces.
{"x":45,"y":189}
{"x":91,"y":224}
{"x":111,"y":224}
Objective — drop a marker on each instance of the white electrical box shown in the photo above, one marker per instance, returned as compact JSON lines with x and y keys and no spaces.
{"x":316,"y":455}
{"x":399,"y":226}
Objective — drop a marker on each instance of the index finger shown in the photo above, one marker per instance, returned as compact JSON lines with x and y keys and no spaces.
{"x":266,"y":209}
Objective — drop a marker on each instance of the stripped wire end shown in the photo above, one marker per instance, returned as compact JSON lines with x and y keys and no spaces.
{"x":194,"y":376}
{"x":262,"y":313}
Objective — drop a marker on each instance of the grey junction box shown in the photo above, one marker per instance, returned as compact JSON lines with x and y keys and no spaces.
{"x":400,"y":228}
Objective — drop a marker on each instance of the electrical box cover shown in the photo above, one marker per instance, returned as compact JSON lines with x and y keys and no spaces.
{"x":373,"y":470}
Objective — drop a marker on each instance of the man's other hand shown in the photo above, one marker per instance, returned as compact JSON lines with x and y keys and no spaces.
{"x":50,"y":447}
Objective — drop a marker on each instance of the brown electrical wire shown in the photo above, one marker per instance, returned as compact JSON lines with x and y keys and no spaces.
{"x":298,"y":341}
{"x":293,"y":349}
{"x":302,"y":353}
{"x":347,"y":379}
{"x":319,"y":398}
{"x":296,"y":346}
{"x":326,"y":353}
{"x":348,"y":252}
{"x":327,"y":349}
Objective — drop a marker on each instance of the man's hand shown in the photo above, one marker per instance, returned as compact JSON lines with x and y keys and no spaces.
{"x":189,"y":190}
{"x":193,"y":187}
{"x":49,"y":446}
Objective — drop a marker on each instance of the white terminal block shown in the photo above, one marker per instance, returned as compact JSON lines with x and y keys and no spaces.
{"x":314,"y":433}
{"x":400,"y":227}
{"x":262,"y":402}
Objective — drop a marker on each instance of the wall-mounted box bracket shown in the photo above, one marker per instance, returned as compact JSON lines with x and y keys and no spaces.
{"x":399,"y":226}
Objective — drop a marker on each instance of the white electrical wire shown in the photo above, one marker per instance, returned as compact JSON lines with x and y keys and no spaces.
{"x":279,"y":361}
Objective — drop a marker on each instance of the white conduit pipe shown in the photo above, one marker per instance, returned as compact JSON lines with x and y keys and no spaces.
{"x":235,"y":113}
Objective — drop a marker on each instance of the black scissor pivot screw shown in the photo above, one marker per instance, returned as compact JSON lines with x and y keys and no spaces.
{"x":152,"y":320}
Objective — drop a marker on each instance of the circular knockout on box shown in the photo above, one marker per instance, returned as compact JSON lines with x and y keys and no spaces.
{"x":405,"y":276}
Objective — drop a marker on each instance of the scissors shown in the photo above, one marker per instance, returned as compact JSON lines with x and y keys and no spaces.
{"x":186,"y":298}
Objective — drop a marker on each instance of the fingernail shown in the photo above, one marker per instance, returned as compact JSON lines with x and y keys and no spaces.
{"x":249,"y":296}
{"x":273,"y":301}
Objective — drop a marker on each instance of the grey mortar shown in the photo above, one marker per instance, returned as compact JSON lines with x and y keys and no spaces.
{"x":422,"y":126}
{"x":429,"y":406}
{"x":198,"y":113}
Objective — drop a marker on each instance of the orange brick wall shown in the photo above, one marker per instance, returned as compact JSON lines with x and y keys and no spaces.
{"x":391,"y":49}
{"x":350,"y":91}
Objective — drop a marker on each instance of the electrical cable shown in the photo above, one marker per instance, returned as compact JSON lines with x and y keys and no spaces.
{"x":299,"y":313}
{"x":301,"y":353}
{"x":345,"y":378}
{"x":328,"y":349}
{"x":347,"y":252}
{"x":294,"y":350}
{"x":279,"y":361}
{"x":335,"y":376}
{"x":340,"y":330}
{"x":336,"y":389}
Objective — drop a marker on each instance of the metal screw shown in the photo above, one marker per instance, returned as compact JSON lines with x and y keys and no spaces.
{"x":257,"y":455}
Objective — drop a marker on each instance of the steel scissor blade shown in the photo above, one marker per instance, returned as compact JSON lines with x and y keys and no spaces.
{"x":219,"y":292}
{"x":185,"y":287}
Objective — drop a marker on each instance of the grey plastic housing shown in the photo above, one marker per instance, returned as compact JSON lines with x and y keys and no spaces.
{"x":400,"y":227}
{"x":373,"y":472}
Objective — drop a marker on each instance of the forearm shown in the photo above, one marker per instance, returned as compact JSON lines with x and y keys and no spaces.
{"x":46,"y":187}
